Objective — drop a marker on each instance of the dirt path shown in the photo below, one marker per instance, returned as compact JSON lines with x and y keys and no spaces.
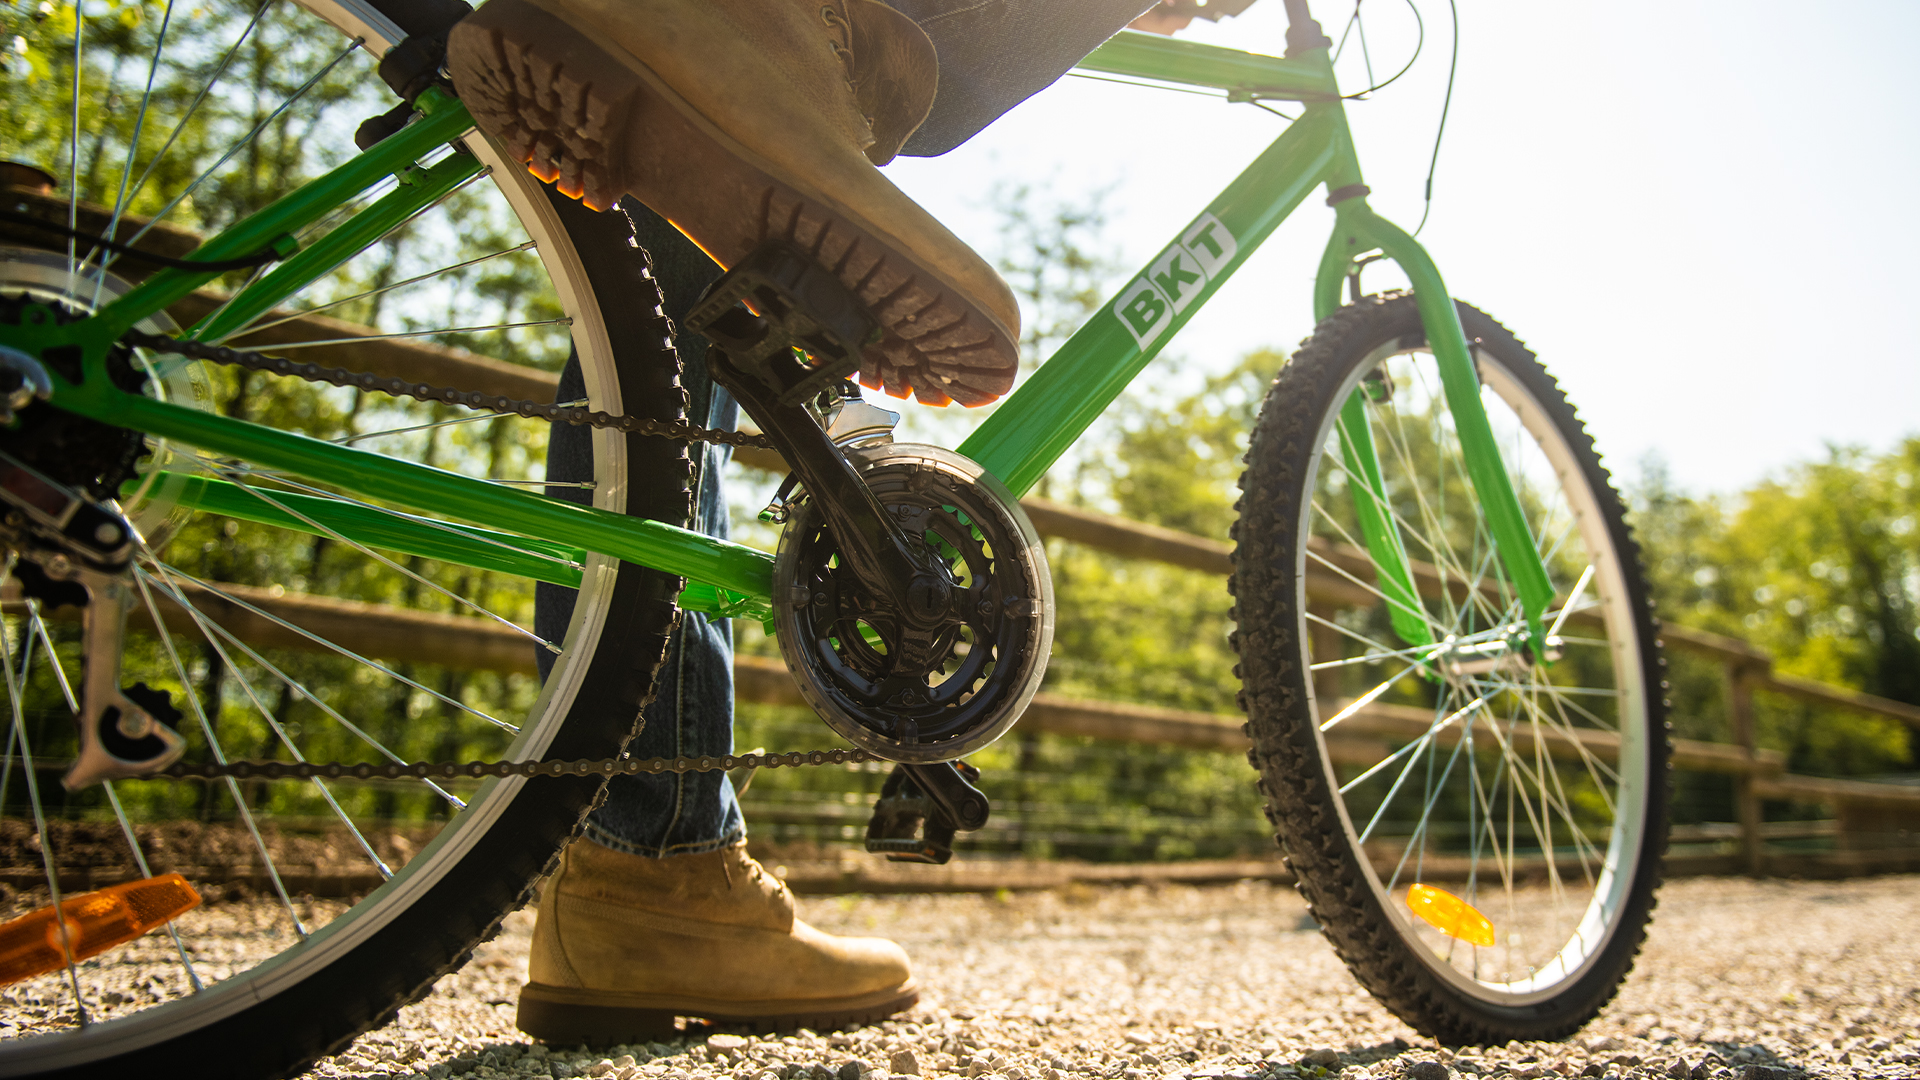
{"x":1740,"y":979}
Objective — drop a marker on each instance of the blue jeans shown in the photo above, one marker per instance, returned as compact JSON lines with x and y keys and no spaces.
{"x":994,"y":54}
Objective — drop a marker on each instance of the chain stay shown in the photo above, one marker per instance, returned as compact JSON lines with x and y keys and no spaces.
{"x":397,"y":387}
{"x":333,"y":770}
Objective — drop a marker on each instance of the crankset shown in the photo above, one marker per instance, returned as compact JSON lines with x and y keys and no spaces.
{"x":911,"y":595}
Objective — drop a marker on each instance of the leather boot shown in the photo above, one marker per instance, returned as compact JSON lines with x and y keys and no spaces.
{"x":744,"y":120}
{"x":623,"y":944}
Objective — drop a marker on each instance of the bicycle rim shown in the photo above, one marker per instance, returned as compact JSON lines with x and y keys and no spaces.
{"x":1498,"y":811}
{"x":507,"y":284}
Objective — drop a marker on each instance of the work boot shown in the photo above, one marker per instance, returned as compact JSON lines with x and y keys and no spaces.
{"x":624,"y":943}
{"x":746,"y":120}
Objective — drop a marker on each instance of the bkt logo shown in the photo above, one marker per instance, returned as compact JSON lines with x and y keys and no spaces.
{"x":1175,"y":280}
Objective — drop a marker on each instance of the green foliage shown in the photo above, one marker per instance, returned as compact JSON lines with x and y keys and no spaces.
{"x":1820,"y":567}
{"x":259,"y":98}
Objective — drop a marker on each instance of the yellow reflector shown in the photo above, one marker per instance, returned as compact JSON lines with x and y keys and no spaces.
{"x":97,"y":921}
{"x":1450,"y":915}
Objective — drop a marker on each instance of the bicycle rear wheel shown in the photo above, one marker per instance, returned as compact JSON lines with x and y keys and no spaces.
{"x":330,"y":904}
{"x":1479,"y":834}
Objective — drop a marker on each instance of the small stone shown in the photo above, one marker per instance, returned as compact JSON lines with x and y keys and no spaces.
{"x":1679,"y":1070}
{"x":1427,"y":1070}
{"x":1627,"y":1061}
{"x":1323,"y":1057}
{"x":1594,"y":1068}
{"x":977,"y":1067}
{"x":904,"y":1062}
{"x":1602,"y":1044}
{"x":1138,"y":1038}
{"x":563,"y":1071}
{"x":727,"y":1042}
{"x":849,"y":1070}
{"x":821,"y":1072}
{"x":1767,"y":1072}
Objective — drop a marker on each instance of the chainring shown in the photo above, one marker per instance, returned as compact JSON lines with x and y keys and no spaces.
{"x":999,"y":630}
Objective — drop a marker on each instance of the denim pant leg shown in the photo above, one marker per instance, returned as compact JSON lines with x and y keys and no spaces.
{"x":692,"y":710}
{"x":995,"y":54}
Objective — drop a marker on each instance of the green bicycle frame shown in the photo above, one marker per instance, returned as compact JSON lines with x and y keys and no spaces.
{"x":1023,"y":438}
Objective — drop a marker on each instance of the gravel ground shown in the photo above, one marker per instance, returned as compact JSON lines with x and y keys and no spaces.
{"x":1740,"y":978}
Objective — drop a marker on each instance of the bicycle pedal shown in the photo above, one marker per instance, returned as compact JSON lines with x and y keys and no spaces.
{"x":786,"y":320}
{"x":910,"y":823}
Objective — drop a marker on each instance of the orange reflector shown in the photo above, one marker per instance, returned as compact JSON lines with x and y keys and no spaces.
{"x":97,"y":921}
{"x":1450,"y":915}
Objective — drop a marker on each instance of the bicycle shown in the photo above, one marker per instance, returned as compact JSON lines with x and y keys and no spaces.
{"x":1429,"y":558}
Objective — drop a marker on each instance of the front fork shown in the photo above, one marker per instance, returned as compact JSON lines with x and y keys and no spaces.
{"x":1359,"y":230}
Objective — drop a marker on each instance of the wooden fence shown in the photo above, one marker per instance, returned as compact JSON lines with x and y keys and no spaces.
{"x":1861,"y":810}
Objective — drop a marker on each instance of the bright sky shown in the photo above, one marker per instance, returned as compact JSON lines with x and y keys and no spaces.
{"x":1698,"y":214}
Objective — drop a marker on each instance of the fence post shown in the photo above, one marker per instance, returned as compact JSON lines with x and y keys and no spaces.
{"x":1740,"y":680}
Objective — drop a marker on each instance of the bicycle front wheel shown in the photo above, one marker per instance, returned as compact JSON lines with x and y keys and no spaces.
{"x":274,"y":631}
{"x":1477,"y":829}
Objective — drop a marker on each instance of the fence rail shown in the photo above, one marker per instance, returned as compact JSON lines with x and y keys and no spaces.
{"x":480,"y":644}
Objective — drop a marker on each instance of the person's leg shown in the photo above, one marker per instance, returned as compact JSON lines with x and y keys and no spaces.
{"x":745,"y":121}
{"x":995,"y":54}
{"x":692,"y":711}
{"x":658,"y":911}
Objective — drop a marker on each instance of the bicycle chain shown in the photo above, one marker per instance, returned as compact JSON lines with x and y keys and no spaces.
{"x":497,"y":403}
{"x":398,"y":387}
{"x":449,"y":770}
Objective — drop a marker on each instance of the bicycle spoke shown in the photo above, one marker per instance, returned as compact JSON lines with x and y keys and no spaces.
{"x":219,"y":756}
{"x":332,"y":646}
{"x":28,"y":770}
{"x":133,"y":145}
{"x":225,"y":61}
{"x":349,"y":440}
{"x":73,"y":175}
{"x":278,"y":347}
{"x":382,"y":290}
{"x":209,"y":629}
{"x":392,"y":565}
{"x":1439,"y":724}
{"x":273,"y":723}
{"x":230,"y":473}
{"x":1426,"y":813}
{"x":345,"y":213}
{"x":237,"y":147}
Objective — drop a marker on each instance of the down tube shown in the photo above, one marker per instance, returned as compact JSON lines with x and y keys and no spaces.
{"x":1028,"y":433}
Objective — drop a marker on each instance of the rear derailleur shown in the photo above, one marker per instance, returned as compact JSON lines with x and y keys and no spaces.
{"x":911,"y":597}
{"x":66,"y":549}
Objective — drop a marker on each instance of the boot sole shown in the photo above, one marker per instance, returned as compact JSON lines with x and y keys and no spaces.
{"x":600,"y":125}
{"x":567,"y":1016}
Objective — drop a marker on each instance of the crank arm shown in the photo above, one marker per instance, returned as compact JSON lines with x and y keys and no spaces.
{"x":783,"y":330}
{"x":948,"y":784}
{"x":867,"y":536}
